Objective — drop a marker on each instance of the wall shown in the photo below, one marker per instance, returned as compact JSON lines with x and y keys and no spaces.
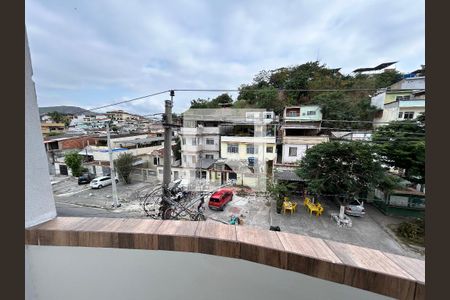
{"x":39,"y":203}
{"x":102,"y":273}
{"x":77,"y":143}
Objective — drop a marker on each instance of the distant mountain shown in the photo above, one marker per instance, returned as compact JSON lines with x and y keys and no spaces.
{"x":65,"y":110}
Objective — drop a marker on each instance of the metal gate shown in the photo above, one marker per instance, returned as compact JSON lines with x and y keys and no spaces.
{"x":63,"y":170}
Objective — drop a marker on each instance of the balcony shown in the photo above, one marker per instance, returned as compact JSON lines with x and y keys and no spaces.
{"x":341,"y":271}
{"x":200,"y":131}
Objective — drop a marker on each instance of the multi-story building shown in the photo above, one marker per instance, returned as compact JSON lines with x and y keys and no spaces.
{"x":52,"y":128}
{"x":121,"y":116}
{"x":239,"y":135}
{"x":404,"y":100}
{"x":299,"y":132}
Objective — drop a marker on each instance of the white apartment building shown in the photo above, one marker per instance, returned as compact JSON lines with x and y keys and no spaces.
{"x":207,"y":132}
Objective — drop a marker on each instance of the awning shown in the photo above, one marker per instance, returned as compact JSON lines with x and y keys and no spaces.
{"x":287,"y":175}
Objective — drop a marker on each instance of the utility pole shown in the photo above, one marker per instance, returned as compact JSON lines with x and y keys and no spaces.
{"x":111,"y":165}
{"x":167,"y":170}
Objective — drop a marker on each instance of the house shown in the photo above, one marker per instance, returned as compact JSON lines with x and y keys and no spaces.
{"x":57,"y":147}
{"x":298,"y":132}
{"x":406,"y":202}
{"x":121,"y":116}
{"x":52,"y":128}
{"x":403,"y":100}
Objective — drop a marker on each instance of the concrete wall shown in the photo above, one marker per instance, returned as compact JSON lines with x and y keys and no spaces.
{"x":39,"y":202}
{"x":100,"y":273}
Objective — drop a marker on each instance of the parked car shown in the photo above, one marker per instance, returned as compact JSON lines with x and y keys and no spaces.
{"x":220,"y":198}
{"x":85,"y":178}
{"x":355,"y":208}
{"x":100,"y":182}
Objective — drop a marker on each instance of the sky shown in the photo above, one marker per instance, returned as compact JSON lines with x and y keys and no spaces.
{"x":93,"y":53}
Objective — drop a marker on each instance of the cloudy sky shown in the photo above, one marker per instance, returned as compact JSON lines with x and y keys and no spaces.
{"x":91,"y":53}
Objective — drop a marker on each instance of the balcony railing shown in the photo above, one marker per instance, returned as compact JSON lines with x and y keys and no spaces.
{"x":372,"y":270}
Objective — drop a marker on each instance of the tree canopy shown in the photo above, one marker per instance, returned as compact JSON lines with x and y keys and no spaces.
{"x":124,"y":165}
{"x":342,"y":169}
{"x":74,"y":161}
{"x":401,"y":144}
{"x":213,"y":103}
{"x":265,"y":91}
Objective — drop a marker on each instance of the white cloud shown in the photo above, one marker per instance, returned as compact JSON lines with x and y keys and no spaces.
{"x":105,"y":50}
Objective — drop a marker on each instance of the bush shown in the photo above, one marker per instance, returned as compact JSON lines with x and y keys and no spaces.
{"x":413,"y":231}
{"x":242,"y":192}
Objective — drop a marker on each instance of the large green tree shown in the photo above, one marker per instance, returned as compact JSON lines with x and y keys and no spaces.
{"x":124,"y":165}
{"x":342,"y":170}
{"x":74,"y":161}
{"x":56,"y":117}
{"x":212,"y":103}
{"x":340,"y":107}
{"x":401,"y":144}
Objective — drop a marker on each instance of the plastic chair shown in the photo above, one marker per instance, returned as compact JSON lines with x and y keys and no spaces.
{"x":294,"y":206}
{"x":319,"y":210}
{"x":306,"y":201}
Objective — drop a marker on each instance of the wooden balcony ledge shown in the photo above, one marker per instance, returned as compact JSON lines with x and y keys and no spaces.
{"x":372,"y":270}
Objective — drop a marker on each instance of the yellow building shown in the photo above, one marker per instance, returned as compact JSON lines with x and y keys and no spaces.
{"x":48,"y":128}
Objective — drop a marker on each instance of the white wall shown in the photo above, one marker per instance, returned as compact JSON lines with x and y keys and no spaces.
{"x":378,"y":100}
{"x":293,"y":159}
{"x":39,"y":202}
{"x":101,"y":273}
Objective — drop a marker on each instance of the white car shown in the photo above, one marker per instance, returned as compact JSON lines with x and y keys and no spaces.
{"x":355,"y":208}
{"x":99,"y":182}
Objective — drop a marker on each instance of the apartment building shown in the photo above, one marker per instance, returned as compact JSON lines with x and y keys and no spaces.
{"x":241,"y":135}
{"x":298,"y":132}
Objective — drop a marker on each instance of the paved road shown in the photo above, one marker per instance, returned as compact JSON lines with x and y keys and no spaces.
{"x":70,"y":210}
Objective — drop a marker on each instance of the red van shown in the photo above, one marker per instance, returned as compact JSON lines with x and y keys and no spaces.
{"x":220,"y":198}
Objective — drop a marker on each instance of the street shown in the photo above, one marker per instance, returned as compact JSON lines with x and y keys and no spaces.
{"x":370,"y":231}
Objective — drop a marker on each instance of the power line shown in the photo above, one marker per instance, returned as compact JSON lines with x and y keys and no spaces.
{"x":281,"y":90}
{"x":130,"y":100}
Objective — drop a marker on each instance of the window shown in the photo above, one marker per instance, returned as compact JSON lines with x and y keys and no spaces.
{"x":292,"y":151}
{"x":399,"y":98}
{"x":194,"y":159}
{"x":408,"y":115}
{"x":311,"y":112}
{"x":233,"y":148}
{"x":269,"y":149}
{"x":209,"y":141}
{"x":155,"y":161}
{"x":209,"y":156}
{"x":184,"y":158}
{"x":400,"y":115}
{"x":184,"y":141}
{"x":251,"y":149}
{"x":292,"y":114}
{"x":194,"y":142}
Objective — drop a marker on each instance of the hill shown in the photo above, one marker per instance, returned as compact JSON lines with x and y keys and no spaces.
{"x":65,"y":110}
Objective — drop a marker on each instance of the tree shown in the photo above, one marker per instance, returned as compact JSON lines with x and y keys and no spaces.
{"x":124,"y":165}
{"x":213,"y":103}
{"x":56,"y":117}
{"x":74,"y":160}
{"x":114,"y":128}
{"x":387,"y":78}
{"x":401,"y":144}
{"x":342,"y":170}
{"x":340,"y":106}
{"x":279,"y":191}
